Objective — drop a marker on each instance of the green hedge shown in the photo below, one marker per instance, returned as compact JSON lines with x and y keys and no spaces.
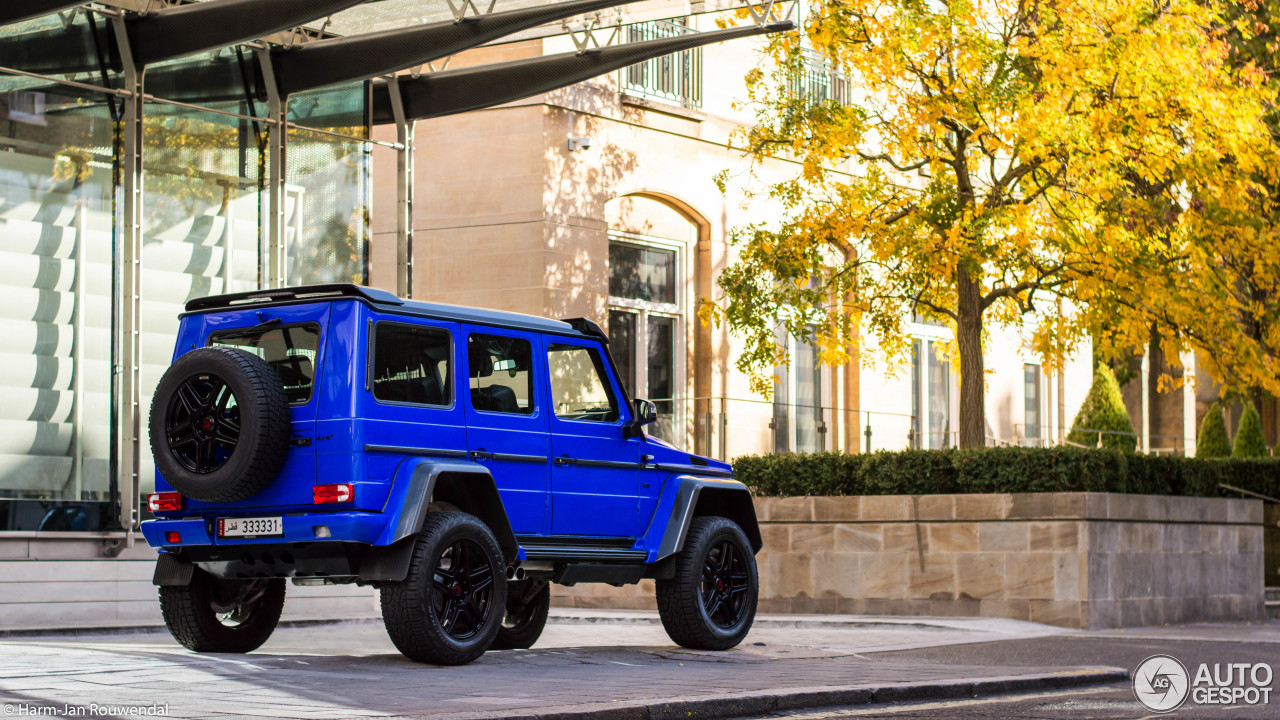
{"x":1000,"y":470}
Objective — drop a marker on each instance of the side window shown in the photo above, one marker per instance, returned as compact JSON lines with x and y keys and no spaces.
{"x":290,"y":350}
{"x":579,"y":388}
{"x":501,"y":373}
{"x":412,"y":364}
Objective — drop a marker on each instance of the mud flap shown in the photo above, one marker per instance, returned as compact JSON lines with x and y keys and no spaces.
{"x":389,"y":563}
{"x":172,"y":571}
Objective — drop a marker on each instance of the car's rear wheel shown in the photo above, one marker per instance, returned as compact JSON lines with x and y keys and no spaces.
{"x":449,"y":607}
{"x":711,"y":602}
{"x":528,"y":604}
{"x":226,"y":616}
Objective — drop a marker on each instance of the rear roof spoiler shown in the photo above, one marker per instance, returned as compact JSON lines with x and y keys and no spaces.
{"x":307,"y":292}
{"x":587,"y":327}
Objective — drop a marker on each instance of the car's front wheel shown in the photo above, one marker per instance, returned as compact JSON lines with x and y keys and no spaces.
{"x":711,"y":602}
{"x":449,"y":607}
{"x":225,"y":616}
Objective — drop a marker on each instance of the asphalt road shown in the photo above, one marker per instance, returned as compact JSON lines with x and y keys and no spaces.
{"x":1235,"y":644}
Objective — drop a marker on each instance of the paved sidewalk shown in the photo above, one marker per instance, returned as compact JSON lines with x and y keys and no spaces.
{"x":590,"y":664}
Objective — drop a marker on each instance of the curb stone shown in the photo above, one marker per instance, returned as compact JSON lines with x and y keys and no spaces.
{"x":767,"y":701}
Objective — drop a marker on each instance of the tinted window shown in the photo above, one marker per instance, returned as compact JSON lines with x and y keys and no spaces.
{"x":501,"y":373}
{"x":290,"y":350}
{"x":579,"y":388}
{"x":642,"y":273}
{"x":412,"y":364}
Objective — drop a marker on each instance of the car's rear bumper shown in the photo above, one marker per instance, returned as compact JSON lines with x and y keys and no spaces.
{"x":353,"y":527}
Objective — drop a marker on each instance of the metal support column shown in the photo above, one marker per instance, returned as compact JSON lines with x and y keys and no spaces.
{"x":274,"y":271}
{"x":404,"y":191}
{"x":128,"y":293}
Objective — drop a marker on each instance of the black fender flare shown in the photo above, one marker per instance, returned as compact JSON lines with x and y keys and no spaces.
{"x":699,"y":496}
{"x":467,"y":486}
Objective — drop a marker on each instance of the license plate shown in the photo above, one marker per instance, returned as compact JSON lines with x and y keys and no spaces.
{"x":250,"y":527}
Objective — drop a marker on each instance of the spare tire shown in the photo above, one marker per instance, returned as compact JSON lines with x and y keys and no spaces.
{"x":219,"y":424}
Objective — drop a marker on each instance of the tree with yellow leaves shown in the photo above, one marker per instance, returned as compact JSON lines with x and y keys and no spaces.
{"x":976,"y":174}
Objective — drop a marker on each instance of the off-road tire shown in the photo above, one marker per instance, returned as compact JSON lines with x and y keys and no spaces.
{"x":522,"y":624}
{"x":263,"y":414}
{"x":409,"y":607}
{"x":681,"y":603}
{"x":190,"y":615}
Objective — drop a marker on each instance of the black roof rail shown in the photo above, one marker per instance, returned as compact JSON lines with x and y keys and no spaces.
{"x":306,"y":292}
{"x":587,"y":327}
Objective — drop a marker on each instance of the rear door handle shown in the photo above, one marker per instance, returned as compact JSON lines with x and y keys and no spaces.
{"x":565,"y":460}
{"x":481,"y":455}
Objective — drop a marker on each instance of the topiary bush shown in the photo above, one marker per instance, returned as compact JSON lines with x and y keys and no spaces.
{"x":1249,"y":441}
{"x":1001,"y":470}
{"x":1212,"y":442}
{"x":1103,"y":409}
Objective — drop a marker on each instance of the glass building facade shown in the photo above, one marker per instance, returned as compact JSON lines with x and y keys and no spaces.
{"x":113,"y":215}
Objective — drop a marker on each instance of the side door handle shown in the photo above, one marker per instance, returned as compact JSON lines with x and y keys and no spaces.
{"x":480,"y":455}
{"x":565,"y":460}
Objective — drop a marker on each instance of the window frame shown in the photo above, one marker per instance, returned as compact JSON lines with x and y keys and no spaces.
{"x":676,"y":311}
{"x":315,"y":377}
{"x":642,"y":309}
{"x":611,"y":383}
{"x":373,"y":360}
{"x":824,"y":391}
{"x":533,"y":380}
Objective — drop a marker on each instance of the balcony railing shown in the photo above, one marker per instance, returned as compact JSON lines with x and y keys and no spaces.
{"x":675,"y":78}
{"x":724,"y":427}
{"x":820,"y":81}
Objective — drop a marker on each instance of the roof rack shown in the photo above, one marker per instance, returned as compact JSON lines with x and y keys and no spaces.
{"x":306,"y":292}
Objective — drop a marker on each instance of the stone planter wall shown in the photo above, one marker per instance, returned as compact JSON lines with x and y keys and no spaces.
{"x":1271,"y":544}
{"x":1078,"y":560}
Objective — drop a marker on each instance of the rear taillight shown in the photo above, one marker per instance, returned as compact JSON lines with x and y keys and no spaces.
{"x":326,"y":494}
{"x":164,"y":502}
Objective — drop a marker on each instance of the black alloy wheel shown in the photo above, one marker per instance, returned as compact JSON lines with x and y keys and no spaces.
{"x":462,"y":589}
{"x":709,"y":603}
{"x":216,"y":615}
{"x":449,"y":607}
{"x":725,"y":585}
{"x":202,"y":425}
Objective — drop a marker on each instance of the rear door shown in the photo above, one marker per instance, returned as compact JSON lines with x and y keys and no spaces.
{"x":595,"y":476}
{"x":506,"y":422}
{"x":290,"y":339}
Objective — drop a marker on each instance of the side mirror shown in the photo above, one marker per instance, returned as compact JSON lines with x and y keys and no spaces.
{"x":643,"y":412}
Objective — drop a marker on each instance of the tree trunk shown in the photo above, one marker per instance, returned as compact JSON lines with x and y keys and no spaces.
{"x":973,"y":410}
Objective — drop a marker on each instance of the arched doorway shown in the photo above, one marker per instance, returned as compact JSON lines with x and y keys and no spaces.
{"x":659,"y":252}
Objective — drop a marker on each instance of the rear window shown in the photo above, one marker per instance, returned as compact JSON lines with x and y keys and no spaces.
{"x":290,"y":350}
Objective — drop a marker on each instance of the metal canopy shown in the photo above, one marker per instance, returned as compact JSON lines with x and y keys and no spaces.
{"x":338,"y":60}
{"x":158,"y":35}
{"x":14,"y":10}
{"x":457,"y":91}
{"x":188,"y":29}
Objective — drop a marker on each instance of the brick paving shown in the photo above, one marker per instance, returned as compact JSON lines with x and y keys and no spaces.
{"x":351,"y":670}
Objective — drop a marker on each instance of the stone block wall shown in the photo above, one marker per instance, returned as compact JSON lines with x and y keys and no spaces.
{"x":1271,"y":545}
{"x":1078,"y":560}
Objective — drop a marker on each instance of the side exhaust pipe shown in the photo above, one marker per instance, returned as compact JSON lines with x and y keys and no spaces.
{"x":515,"y":573}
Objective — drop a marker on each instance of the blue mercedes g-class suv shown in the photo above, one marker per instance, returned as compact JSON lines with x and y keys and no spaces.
{"x":458,"y":459}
